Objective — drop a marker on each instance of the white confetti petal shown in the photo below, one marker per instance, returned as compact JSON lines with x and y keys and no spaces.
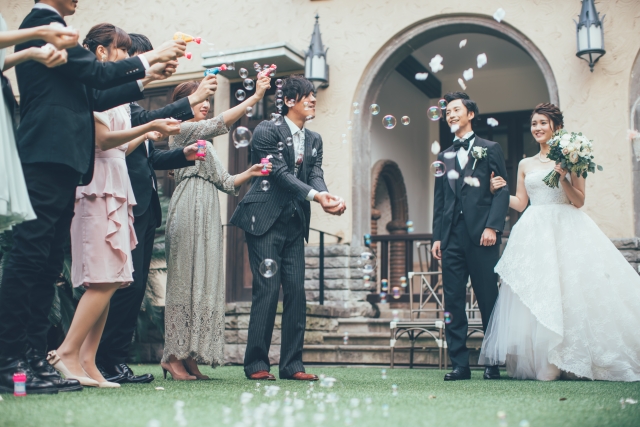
{"x":499,"y":14}
{"x":454,"y":128}
{"x":159,"y":388}
{"x":435,"y":147}
{"x":472,"y":182}
{"x":492,"y":122}
{"x":462,"y":85}
{"x":422,"y":76}
{"x":482,"y":60}
{"x":453,"y":174}
{"x":436,"y":63}
{"x":630,"y":401}
{"x":468,"y":74}
{"x":450,"y":155}
{"x":463,"y":43}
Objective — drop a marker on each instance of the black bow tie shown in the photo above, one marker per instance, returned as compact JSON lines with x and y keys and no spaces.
{"x":462,"y":143}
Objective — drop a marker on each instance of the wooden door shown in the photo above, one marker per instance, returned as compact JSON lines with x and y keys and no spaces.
{"x":238,"y":272}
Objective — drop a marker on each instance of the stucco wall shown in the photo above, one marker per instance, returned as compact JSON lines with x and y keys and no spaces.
{"x":595,"y":103}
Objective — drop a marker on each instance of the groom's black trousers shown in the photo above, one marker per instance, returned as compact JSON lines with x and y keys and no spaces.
{"x":460,"y":259}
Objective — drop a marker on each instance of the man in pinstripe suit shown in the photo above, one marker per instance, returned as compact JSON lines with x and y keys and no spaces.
{"x":275,"y":218}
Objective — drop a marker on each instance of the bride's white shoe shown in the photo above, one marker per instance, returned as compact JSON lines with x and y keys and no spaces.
{"x":55,"y":361}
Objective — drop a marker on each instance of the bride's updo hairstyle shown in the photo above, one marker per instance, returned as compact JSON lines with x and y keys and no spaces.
{"x":106,"y":35}
{"x":551,"y":112}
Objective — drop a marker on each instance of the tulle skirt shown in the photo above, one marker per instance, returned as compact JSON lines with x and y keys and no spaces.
{"x":569,"y":301}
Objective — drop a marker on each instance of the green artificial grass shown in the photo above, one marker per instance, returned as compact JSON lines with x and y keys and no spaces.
{"x":423,"y":400}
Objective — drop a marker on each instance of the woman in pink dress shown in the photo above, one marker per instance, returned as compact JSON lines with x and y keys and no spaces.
{"x":102,"y":234}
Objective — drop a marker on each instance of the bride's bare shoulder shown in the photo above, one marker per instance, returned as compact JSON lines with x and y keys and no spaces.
{"x":525,"y":164}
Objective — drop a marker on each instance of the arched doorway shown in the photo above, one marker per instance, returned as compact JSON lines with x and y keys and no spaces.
{"x":384,"y":64}
{"x":390,"y":211}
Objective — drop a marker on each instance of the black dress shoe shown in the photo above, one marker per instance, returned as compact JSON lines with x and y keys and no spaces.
{"x":491,"y":373}
{"x":121,"y":373}
{"x":34,"y":384}
{"x":458,"y":374}
{"x":46,"y":372}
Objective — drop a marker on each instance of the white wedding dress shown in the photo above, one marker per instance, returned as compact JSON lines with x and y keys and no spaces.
{"x":569,"y":301}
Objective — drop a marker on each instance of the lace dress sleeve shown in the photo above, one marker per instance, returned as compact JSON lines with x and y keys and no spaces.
{"x":221,"y":178}
{"x":190,"y":132}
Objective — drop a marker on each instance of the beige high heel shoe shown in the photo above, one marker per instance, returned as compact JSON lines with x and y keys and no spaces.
{"x":178,"y":377}
{"x":55,"y":361}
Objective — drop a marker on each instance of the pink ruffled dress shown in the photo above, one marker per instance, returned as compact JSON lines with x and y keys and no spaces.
{"x":102,"y":233}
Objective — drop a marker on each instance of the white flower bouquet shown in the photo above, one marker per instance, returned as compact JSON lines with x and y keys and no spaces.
{"x":572,"y":151}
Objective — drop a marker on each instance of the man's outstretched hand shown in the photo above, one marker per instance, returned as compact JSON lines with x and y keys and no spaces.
{"x":331,"y":204}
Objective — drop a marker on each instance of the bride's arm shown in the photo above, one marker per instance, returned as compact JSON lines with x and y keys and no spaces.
{"x":574,"y":189}
{"x":520,"y":201}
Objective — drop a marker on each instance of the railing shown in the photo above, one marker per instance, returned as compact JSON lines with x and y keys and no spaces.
{"x":321,"y":261}
{"x":321,"y":258}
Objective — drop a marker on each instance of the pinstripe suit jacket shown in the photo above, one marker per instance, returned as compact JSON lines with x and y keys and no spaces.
{"x":260,"y":209}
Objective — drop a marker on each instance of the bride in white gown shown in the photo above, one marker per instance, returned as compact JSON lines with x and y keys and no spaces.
{"x":569,"y":301}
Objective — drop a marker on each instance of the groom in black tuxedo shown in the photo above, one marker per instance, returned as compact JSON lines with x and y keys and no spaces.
{"x":467,"y":224}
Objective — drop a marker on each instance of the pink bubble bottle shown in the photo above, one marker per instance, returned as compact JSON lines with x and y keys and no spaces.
{"x":19,"y":384}
{"x":202,"y":148}
{"x":264,"y":162}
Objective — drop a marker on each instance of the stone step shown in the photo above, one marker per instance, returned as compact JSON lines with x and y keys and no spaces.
{"x":363,"y":325}
{"x":372,"y":355}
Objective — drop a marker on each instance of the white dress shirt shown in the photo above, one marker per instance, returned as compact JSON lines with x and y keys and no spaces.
{"x":144,"y":61}
{"x":463,"y":155}
{"x":298,"y":137}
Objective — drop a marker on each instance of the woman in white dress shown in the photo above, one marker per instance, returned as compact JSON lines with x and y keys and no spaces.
{"x":15,"y":206}
{"x":569,"y":300}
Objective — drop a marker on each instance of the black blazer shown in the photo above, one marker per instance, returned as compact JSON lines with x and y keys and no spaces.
{"x":141,"y":167}
{"x":266,"y":206}
{"x":481,"y":208}
{"x":57,"y":104}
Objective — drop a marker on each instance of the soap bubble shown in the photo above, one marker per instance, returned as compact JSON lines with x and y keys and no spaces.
{"x":279,"y":93}
{"x":389,"y":122}
{"x":291,"y":103}
{"x":395,"y":291}
{"x":367,"y":262}
{"x":434,"y":113}
{"x":243,"y":73}
{"x":289,"y":141}
{"x":395,"y":315}
{"x":249,"y":112}
{"x":442,"y":104}
{"x":241,"y":137}
{"x":240,"y":95}
{"x":279,"y":83}
{"x":438,"y":168}
{"x":256,"y":66}
{"x":405,"y":120}
{"x":279,"y":103}
{"x":384,"y":285}
{"x":374,"y":109}
{"x":278,"y":119}
{"x":403,"y":280}
{"x":383,"y":372}
{"x":447,"y":317}
{"x":248,"y":84}
{"x":345,"y":338}
{"x":268,"y":268}
{"x":265,"y":185}
{"x":394,"y":390}
{"x":231,"y":66}
{"x":280,"y":146}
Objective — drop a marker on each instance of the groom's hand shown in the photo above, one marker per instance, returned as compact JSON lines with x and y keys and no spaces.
{"x":488,"y":237}
{"x":435,"y":250}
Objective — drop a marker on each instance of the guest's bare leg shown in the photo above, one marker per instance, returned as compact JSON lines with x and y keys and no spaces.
{"x":90,"y":348}
{"x":90,"y":309}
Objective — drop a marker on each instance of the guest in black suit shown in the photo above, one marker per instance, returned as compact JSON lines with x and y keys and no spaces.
{"x":467,"y":223}
{"x":141,"y":164}
{"x":276,"y":222}
{"x":56,"y":145}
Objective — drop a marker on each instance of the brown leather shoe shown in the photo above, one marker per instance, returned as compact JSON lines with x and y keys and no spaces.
{"x":262,"y":375}
{"x":303,"y":376}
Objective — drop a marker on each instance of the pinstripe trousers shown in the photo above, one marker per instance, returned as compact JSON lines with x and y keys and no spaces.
{"x":283,"y":243}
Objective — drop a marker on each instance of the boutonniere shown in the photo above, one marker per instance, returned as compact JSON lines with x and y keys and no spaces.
{"x":478,"y":153}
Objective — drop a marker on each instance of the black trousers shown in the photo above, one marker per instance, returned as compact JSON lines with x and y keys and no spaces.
{"x":460,"y":259}
{"x":283,"y":243}
{"x":125,"y":303}
{"x":37,"y":257}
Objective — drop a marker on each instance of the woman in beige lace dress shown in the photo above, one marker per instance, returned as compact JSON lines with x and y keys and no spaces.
{"x":195,"y":302}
